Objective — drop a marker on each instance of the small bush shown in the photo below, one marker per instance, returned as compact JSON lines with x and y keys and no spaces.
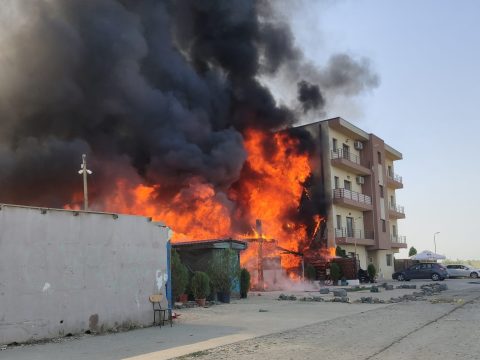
{"x":372,"y":271}
{"x":244,"y":283}
{"x":310,"y":272}
{"x":200,"y":285}
{"x":335,"y":272}
{"x":179,"y":275}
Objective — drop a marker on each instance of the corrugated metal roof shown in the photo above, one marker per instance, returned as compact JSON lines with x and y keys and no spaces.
{"x":210,"y":243}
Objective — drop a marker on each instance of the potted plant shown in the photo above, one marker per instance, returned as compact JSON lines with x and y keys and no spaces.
{"x":224,"y":272}
{"x":179,"y":278}
{"x":244,"y":283}
{"x":200,"y":287}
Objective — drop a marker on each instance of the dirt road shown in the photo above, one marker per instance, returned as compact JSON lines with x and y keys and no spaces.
{"x":446,"y":328}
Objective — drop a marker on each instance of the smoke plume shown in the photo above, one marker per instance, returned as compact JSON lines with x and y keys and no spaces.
{"x":158,"y":92}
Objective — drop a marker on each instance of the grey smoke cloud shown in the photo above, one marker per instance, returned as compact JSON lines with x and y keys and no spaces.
{"x":164,"y":89}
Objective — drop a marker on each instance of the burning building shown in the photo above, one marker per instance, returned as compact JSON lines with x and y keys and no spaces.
{"x":359,"y":180}
{"x":170,"y":100}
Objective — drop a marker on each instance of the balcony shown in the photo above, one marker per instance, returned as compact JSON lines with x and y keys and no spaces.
{"x":395,"y":211}
{"x":349,"y":162}
{"x":352,"y":237}
{"x":352,"y":199}
{"x":394,"y":181}
{"x":398,"y":241}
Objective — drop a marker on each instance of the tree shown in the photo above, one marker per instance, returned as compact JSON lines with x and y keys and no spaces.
{"x":179,"y":275}
{"x":224,"y":270}
{"x":244,"y":283}
{"x":412,"y":251}
{"x":335,"y":272}
{"x":340,"y":252}
{"x":372,"y":271}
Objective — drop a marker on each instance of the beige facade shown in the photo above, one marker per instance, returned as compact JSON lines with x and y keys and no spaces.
{"x":358,"y":170}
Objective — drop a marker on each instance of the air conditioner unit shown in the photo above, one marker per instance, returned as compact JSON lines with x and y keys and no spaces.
{"x":358,"y":145}
{"x":360,"y":180}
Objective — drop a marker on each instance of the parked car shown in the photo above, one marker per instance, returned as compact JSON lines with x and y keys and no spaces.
{"x":432,"y":271}
{"x":455,"y":270}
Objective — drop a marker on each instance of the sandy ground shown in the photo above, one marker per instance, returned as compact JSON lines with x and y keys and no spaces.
{"x":293,"y":329}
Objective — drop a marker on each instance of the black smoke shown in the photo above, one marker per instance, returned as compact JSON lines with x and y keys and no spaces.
{"x":309,"y":96}
{"x":155,"y":91}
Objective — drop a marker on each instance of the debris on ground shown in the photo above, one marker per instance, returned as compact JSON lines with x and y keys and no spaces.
{"x":342,"y":299}
{"x":287,"y":297}
{"x":374,"y":289}
{"x":404,"y":286}
{"x":324,"y":291}
{"x":339,"y":292}
{"x":312,"y":299}
{"x":262,"y":310}
{"x":370,"y":300}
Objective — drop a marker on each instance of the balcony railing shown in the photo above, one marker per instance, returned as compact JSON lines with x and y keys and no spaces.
{"x":347,"y":155}
{"x":353,"y":233}
{"x":399,"y":239}
{"x":395,"y":177}
{"x":397,"y":208}
{"x":352,"y":195}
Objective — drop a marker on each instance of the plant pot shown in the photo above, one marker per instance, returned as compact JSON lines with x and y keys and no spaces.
{"x":200,"y":302}
{"x":223,"y":297}
{"x":183,"y":298}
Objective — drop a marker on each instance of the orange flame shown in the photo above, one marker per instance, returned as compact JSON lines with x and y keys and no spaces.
{"x":270,"y":188}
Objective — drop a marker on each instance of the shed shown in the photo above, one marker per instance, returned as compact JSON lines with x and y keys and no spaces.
{"x":196,"y":255}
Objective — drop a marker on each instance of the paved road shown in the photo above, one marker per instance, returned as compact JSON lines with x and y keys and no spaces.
{"x":446,"y":329}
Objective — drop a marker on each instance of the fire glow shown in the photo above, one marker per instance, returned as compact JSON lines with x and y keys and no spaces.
{"x":270,"y":188}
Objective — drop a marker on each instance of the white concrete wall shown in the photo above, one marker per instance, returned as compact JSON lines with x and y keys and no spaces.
{"x":379,"y":257}
{"x":67,"y":272}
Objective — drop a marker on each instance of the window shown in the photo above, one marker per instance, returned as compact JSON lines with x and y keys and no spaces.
{"x":379,"y":155}
{"x":370,"y":260}
{"x":336,"y":182}
{"x":384,"y":226}
{"x":390,"y":171}
{"x":347,"y":185}
{"x":389,"y":259}
{"x":381,"y":191}
{"x":339,"y":221}
{"x":394,"y":231}
{"x":392,"y":200}
{"x":334,"y":145}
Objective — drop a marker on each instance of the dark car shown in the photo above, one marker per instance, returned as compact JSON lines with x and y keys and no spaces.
{"x":422,"y":271}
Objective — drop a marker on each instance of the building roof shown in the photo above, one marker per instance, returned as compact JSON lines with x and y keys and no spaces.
{"x":211,"y":244}
{"x":356,"y":133}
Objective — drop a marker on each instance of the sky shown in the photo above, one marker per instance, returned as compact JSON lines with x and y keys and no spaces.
{"x":427,"y":54}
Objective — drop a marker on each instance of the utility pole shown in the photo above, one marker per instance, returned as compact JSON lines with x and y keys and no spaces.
{"x":435,"y":240}
{"x":260,"y":280}
{"x":84,"y":171}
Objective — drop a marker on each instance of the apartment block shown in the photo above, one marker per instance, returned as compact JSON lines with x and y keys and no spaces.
{"x":358,"y":172}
